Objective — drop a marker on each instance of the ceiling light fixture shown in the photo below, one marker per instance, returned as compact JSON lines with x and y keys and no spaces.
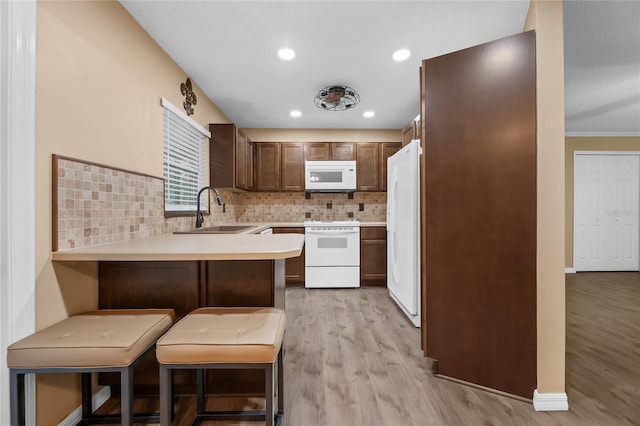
{"x":295,"y":113}
{"x":337,"y":98}
{"x":368,"y":114}
{"x":401,"y":55}
{"x":286,"y":54}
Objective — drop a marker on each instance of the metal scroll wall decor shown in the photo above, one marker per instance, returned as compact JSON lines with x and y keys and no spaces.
{"x":189,"y":97}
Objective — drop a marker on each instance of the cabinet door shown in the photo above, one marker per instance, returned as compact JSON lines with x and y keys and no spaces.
{"x":249,"y":165}
{"x":317,"y":151}
{"x":409,"y":133}
{"x":292,"y":166}
{"x":368,"y":166}
{"x":239,"y":283}
{"x":222,"y":155}
{"x":294,"y":266}
{"x":241,"y":155}
{"x":387,"y":149}
{"x":343,"y":151}
{"x":373,"y":256}
{"x":267,"y":171}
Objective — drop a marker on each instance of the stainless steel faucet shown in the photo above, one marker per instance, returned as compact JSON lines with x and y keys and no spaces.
{"x":199,"y":215}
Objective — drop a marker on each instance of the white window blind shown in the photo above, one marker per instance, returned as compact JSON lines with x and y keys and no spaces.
{"x":185,"y":165}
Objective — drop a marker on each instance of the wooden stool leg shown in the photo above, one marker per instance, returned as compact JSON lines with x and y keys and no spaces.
{"x":16,"y":386}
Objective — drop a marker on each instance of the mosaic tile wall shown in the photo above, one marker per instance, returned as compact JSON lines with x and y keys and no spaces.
{"x":99,"y":205}
{"x":292,"y":207}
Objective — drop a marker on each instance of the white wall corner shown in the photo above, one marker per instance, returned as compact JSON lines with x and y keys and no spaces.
{"x":97,"y":400}
{"x":550,"y":401}
{"x":569,"y":271}
{"x":17,"y":183}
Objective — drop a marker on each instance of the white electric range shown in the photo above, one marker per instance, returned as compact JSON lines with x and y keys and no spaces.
{"x":332,"y":254}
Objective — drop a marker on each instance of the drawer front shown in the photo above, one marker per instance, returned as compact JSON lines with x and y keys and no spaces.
{"x":376,"y":233}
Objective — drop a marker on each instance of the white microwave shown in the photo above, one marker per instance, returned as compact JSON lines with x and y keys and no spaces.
{"x":330,"y":176}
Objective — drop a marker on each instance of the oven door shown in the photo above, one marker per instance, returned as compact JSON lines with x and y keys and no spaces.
{"x":332,"y":246}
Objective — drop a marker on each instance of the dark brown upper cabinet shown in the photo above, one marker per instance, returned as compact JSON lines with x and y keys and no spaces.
{"x":230,"y":157}
{"x":371,"y":158}
{"x":323,"y":151}
{"x":410,"y":132}
{"x":343,"y":151}
{"x":387,"y":149}
{"x":317,"y":151}
{"x":267,"y":166}
{"x":292,"y":166}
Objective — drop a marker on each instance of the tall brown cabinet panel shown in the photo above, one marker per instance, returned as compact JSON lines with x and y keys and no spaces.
{"x":480,"y":154}
{"x":368,"y":166}
{"x":231,"y":157}
{"x":372,"y":164}
{"x":387,"y":149}
{"x":292,"y":166}
{"x":267,"y":171}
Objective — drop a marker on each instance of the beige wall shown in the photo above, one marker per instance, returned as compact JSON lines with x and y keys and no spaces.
{"x":583,"y":143}
{"x":99,"y":81}
{"x":546,"y":18}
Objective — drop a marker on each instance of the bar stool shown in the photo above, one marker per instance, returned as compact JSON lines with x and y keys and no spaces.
{"x":110,"y":340}
{"x":224,"y":338}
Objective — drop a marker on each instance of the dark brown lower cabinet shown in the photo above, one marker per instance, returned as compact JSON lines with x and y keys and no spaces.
{"x":184,"y":286}
{"x":294,"y":266}
{"x":373,"y":256}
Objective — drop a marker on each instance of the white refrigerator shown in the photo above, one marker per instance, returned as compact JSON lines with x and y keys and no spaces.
{"x":403,"y":229}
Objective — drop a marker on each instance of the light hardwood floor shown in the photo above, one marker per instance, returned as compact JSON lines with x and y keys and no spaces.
{"x":353,"y":359}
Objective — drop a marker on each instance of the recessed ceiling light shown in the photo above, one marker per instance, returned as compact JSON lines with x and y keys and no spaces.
{"x":295,"y":113}
{"x":368,"y":114}
{"x":401,"y":55}
{"x":286,"y":54}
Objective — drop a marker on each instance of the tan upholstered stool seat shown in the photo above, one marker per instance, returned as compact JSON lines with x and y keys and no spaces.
{"x":109,"y":340}
{"x":92,"y":339}
{"x":225,"y":338}
{"x":224,"y":335}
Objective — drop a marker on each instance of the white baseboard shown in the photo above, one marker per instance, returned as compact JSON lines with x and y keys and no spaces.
{"x":97,"y":400}
{"x":550,"y":401}
{"x":569,"y":271}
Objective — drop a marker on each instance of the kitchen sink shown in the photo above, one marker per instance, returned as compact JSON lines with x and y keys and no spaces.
{"x":219,"y":229}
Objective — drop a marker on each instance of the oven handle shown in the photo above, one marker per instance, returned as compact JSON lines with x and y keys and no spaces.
{"x":330,"y":232}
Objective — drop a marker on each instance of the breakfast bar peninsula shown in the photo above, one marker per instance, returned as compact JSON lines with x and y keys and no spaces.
{"x":185,"y":272}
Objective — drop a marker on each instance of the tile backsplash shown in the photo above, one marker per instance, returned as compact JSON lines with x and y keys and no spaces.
{"x":97,"y":204}
{"x":293,"y":207}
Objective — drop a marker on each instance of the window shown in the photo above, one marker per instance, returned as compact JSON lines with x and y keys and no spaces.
{"x":185,"y":162}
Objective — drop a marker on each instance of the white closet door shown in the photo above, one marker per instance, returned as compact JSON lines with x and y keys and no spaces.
{"x":606,"y":219}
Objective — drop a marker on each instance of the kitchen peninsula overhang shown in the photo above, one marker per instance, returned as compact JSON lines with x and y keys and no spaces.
{"x":172,"y":247}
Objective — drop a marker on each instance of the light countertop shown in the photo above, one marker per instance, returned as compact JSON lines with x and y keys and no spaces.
{"x":191,"y":247}
{"x":247,"y":245}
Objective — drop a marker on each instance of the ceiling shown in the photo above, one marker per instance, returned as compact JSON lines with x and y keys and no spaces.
{"x":229,"y":49}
